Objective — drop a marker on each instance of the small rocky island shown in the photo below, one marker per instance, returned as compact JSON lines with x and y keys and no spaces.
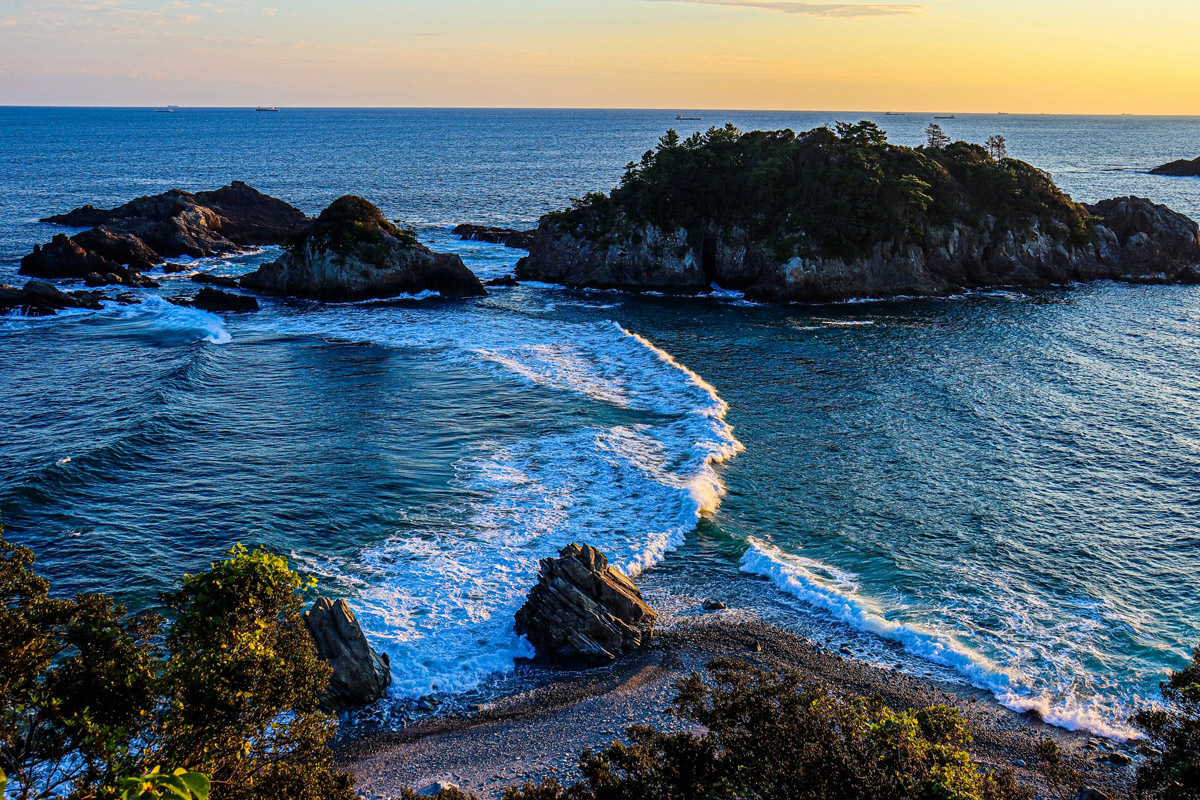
{"x":1179,"y":169}
{"x":830,"y":215}
{"x":352,"y":252}
{"x":124,"y":241}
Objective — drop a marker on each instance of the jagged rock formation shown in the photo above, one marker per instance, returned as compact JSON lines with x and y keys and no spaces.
{"x":40,"y":299}
{"x":360,"y":675}
{"x":1179,"y":169}
{"x":133,"y":237}
{"x":519,"y":240}
{"x":828,"y":216}
{"x":584,"y":611}
{"x":353,"y":253}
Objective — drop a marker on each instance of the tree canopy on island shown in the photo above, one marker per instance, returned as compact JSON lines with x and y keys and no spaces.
{"x":833,"y":192}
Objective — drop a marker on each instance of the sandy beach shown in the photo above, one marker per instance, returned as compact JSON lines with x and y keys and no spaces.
{"x":539,"y":733}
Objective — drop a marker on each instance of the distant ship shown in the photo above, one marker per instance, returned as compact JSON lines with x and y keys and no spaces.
{"x":167,"y":110}
{"x":264,"y":108}
{"x":894,"y":114}
{"x":949,"y":117}
{"x":682,"y":117}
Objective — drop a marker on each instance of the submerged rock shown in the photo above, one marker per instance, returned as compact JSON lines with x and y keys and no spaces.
{"x":353,"y":253}
{"x":583,"y":610}
{"x":360,"y":675}
{"x":210,"y":299}
{"x":1179,"y":169}
{"x":519,"y":240}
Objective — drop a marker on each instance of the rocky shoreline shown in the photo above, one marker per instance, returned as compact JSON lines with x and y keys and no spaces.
{"x":538,"y":733}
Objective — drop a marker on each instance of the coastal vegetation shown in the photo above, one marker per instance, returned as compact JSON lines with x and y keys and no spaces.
{"x":218,"y":698}
{"x":1172,"y":744}
{"x":838,"y":191}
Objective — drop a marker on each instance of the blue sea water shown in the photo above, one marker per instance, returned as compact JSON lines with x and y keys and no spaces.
{"x":999,"y":488}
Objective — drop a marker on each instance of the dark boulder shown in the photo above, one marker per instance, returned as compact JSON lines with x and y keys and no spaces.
{"x":210,"y":299}
{"x":1179,"y":169}
{"x":519,"y":240}
{"x":41,"y":299}
{"x":215,"y":280}
{"x":63,"y":257}
{"x":584,"y":611}
{"x":353,"y":253}
{"x":503,"y":280}
{"x":360,"y":675}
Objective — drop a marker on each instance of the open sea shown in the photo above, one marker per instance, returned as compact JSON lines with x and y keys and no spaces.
{"x":1001,"y":488}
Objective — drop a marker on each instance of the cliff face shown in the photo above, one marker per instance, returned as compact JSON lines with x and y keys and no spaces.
{"x":823,"y":218}
{"x":353,"y":253}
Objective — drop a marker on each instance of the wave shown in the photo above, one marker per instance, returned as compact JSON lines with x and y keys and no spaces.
{"x":440,"y":599}
{"x":836,"y":592}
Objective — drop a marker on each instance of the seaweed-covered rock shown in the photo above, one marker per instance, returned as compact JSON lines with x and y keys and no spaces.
{"x":360,"y":675}
{"x":353,"y":253}
{"x":583,"y":610}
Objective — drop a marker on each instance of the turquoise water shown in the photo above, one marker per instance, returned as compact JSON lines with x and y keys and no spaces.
{"x":999,"y":487}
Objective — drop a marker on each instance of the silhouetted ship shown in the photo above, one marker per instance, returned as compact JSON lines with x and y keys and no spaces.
{"x":682,"y":117}
{"x":265,"y":108}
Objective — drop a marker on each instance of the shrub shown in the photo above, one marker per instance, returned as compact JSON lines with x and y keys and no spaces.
{"x":770,"y":736}
{"x":1171,"y":770}
{"x":90,"y":695}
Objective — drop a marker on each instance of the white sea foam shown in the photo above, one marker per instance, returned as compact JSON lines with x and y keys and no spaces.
{"x":440,"y":601}
{"x":837,"y":593}
{"x":160,"y":314}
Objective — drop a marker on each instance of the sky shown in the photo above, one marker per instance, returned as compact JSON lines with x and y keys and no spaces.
{"x":1019,"y":56}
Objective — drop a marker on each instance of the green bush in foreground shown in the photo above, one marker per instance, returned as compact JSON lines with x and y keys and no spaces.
{"x":1172,"y":747}
{"x":769,"y":736}
{"x":93,"y":700}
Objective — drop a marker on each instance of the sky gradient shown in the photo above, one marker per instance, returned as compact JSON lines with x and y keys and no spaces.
{"x":1020,"y":56}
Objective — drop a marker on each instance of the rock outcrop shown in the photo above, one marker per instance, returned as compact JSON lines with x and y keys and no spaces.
{"x":1132,"y":240}
{"x":353,"y":253}
{"x":583,"y":611}
{"x":360,"y":675}
{"x":825,"y":216}
{"x":210,"y":299}
{"x":1179,"y":169}
{"x":40,"y":299}
{"x":142,"y":233}
{"x":518,"y":240}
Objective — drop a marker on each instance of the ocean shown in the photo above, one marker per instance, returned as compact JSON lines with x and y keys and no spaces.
{"x":999,"y":488}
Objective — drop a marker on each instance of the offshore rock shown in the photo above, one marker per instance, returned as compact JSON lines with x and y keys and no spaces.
{"x":40,"y":299}
{"x":215,"y":280}
{"x":210,"y":299}
{"x":825,"y":216}
{"x":518,"y":240}
{"x":360,"y":675}
{"x":181,"y":223}
{"x":63,"y":257}
{"x":1179,"y":169}
{"x":1133,"y":239}
{"x":353,"y":253}
{"x":584,"y":611}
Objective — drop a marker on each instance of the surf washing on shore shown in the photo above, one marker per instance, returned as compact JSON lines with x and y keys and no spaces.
{"x":997,"y":487}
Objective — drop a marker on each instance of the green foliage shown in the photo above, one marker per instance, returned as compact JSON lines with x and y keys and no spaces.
{"x":1171,"y":770}
{"x":90,"y":694}
{"x":156,"y":785}
{"x":824,"y":192}
{"x":353,"y":226}
{"x":770,"y":736}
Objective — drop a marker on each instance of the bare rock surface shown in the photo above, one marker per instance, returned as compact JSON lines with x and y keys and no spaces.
{"x":360,"y":675}
{"x":583,"y":610}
